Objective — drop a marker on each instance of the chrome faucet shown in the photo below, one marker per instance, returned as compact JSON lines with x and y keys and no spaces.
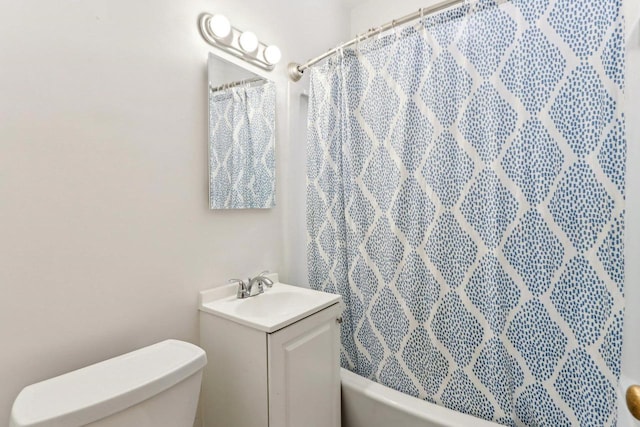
{"x":245,"y":289}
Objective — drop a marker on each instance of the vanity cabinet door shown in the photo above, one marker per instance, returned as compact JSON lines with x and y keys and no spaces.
{"x":304,"y":372}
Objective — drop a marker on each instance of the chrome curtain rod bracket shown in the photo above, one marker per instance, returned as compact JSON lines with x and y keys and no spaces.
{"x":295,"y":73}
{"x":296,"y":70}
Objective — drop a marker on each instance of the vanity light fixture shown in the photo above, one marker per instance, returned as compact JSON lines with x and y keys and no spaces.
{"x":218,"y":31}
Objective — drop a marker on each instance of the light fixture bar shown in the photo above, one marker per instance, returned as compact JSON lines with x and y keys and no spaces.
{"x":244,"y":45}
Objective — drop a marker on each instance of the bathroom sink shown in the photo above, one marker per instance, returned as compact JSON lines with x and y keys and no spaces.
{"x":279,"y":303}
{"x":276,"y":308}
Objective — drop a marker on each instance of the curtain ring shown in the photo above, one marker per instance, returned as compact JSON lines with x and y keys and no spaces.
{"x":378,"y":33}
{"x":471,"y":6}
{"x":340,"y":65}
{"x":423,"y":23}
{"x":334,"y":60}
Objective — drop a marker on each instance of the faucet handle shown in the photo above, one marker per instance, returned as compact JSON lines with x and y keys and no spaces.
{"x":242,"y":288}
{"x":265,"y":279}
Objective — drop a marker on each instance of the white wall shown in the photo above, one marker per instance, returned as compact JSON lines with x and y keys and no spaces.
{"x":367,"y":14}
{"x":105,"y":234}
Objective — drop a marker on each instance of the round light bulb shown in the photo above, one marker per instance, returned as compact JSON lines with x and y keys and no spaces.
{"x":220,"y":26}
{"x":248,"y":41}
{"x":272,"y":54}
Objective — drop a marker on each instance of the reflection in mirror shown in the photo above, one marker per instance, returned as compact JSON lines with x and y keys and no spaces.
{"x":242,"y":112}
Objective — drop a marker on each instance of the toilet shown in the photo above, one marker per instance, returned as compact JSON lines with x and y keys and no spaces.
{"x":154,"y":386}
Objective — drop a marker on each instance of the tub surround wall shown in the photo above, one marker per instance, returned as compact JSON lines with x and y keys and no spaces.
{"x":105,"y":233}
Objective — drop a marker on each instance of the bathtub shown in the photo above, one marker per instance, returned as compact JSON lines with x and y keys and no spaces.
{"x":369,"y":404}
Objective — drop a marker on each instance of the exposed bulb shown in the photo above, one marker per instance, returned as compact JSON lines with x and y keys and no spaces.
{"x":248,"y":41}
{"x":220,"y":26}
{"x":272,"y":54}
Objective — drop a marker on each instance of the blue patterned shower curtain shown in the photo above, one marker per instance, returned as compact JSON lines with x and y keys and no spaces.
{"x":466,"y":181}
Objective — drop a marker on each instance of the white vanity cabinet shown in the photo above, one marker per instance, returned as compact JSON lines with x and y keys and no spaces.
{"x":272,"y":362}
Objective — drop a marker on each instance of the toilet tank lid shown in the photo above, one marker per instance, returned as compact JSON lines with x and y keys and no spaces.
{"x":103,"y":389}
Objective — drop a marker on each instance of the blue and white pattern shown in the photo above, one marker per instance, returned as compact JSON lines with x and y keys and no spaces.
{"x":466,"y":182}
{"x":242,"y":147}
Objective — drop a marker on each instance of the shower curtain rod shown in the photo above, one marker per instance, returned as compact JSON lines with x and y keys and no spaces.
{"x":295,"y":70}
{"x":238,"y":83}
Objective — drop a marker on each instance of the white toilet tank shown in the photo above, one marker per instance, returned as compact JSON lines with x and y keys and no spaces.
{"x":155,"y":386}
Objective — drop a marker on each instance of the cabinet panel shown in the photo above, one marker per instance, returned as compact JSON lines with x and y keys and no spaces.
{"x":234,"y":386}
{"x":304,"y":372}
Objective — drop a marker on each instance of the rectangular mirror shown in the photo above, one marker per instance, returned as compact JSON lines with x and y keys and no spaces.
{"x":242,"y":113}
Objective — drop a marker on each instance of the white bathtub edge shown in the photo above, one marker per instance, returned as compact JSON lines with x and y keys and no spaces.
{"x":421,"y":410}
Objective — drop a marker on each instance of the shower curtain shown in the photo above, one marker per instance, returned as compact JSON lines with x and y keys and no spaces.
{"x":466,"y":181}
{"x":241,"y":147}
